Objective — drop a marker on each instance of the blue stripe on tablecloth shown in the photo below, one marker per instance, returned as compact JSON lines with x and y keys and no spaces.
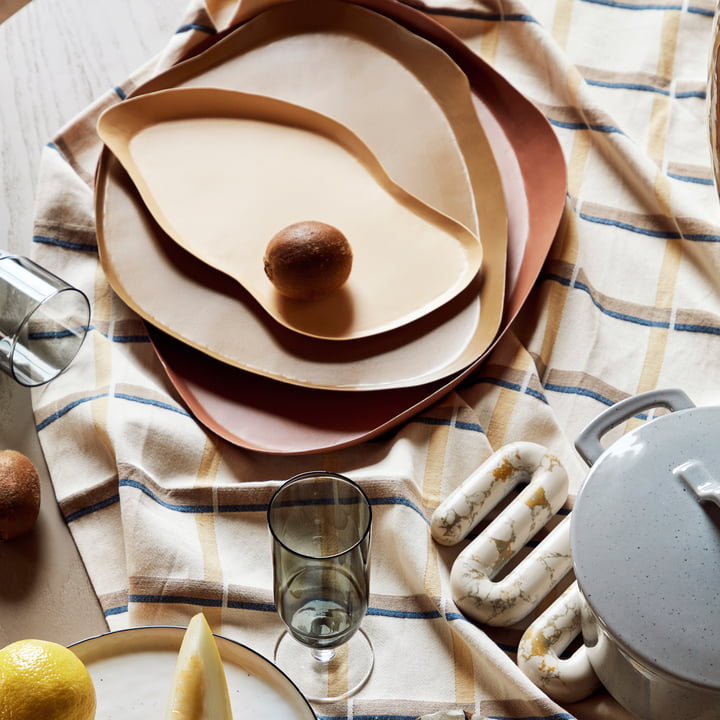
{"x":663,"y":234}
{"x":566,"y":125}
{"x":54,"y":147}
{"x":267,"y":607}
{"x":66,"y":409}
{"x":635,"y":319}
{"x":691,"y":179}
{"x":65,"y":244}
{"x":88,"y":510}
{"x":119,"y":610}
{"x":405,"y":614}
{"x":642,"y":87}
{"x":367,"y":717}
{"x":473,"y":427}
{"x":525,"y":17}
{"x":651,"y":6}
{"x":128,"y":338}
{"x":355,"y":716}
{"x":122,"y":396}
{"x":480,"y":15}
{"x":204,"y":602}
{"x":210,"y":508}
{"x":154,"y":403}
{"x":199,"y":509}
{"x":507,"y":385}
{"x":195,"y":509}
{"x":398,"y":500}
{"x":189,"y":27}
{"x":55,"y":333}
{"x":231,"y":507}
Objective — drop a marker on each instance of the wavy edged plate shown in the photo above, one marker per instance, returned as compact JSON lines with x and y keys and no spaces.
{"x":132,"y":671}
{"x":223,"y":171}
{"x":427,"y":103}
{"x":713,"y":99}
{"x":268,"y":416}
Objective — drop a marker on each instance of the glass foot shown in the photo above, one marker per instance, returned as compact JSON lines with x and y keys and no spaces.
{"x":331,"y":679}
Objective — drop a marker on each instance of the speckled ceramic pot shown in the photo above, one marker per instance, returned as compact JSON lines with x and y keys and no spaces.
{"x":645,"y":538}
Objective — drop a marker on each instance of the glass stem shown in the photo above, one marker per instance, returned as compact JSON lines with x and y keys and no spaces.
{"x":323,"y":655}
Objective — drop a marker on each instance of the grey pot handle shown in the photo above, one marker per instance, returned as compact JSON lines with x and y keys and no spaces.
{"x":588,"y":441}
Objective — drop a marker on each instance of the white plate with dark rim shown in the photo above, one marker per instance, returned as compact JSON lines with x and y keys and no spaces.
{"x":132,"y":671}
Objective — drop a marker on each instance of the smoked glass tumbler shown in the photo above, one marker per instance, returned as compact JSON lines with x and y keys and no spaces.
{"x":321,"y":531}
{"x":43,"y":321}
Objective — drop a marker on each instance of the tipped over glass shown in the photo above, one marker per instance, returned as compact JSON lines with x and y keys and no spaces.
{"x":43,"y":321}
{"x":320,"y":524}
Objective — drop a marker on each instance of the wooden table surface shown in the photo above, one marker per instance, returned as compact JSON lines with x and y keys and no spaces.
{"x":56,"y":57}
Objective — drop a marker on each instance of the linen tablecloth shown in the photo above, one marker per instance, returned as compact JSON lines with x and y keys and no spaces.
{"x":170,"y":520}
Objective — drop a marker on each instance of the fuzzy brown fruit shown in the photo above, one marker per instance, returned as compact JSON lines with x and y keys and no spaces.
{"x":19,"y":494}
{"x":308,"y":260}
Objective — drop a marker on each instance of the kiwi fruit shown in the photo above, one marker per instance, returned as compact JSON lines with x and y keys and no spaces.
{"x":308,"y":260}
{"x":19,"y":494}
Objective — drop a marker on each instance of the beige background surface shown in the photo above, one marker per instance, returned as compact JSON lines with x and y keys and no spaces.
{"x":44,"y":69}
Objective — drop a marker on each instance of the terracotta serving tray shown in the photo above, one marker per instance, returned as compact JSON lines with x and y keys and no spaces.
{"x":268,"y":416}
{"x":166,"y":286}
{"x":713,"y":99}
{"x":223,"y":171}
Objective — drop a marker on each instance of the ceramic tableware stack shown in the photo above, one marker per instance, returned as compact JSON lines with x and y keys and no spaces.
{"x":366,"y":115}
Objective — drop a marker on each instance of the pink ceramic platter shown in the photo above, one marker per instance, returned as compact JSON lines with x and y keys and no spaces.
{"x":273,"y":417}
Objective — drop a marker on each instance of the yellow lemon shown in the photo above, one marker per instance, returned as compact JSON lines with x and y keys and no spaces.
{"x":200,"y":690}
{"x":41,"y":679}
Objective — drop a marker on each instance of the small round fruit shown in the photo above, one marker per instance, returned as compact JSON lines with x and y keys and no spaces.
{"x":19,"y":494}
{"x":308,"y":260}
{"x":41,"y":679}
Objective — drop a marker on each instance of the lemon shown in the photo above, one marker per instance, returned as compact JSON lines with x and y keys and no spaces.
{"x":200,"y":690}
{"x":41,"y":679}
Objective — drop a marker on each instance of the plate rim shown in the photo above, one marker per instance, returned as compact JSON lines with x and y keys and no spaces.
{"x":179,"y":630}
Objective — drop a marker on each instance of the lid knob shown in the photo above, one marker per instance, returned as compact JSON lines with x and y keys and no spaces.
{"x":699,"y":480}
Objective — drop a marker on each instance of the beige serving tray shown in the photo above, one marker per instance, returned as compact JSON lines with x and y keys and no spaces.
{"x":413,"y":108}
{"x":223,"y":171}
{"x":273,"y":417}
{"x":132,"y":671}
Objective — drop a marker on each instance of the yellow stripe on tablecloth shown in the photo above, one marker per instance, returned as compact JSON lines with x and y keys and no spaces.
{"x":490,"y":41}
{"x":500,"y":418}
{"x":566,"y":241}
{"x":672,"y":258}
{"x":432,"y":581}
{"x":436,"y":457}
{"x":432,"y":491}
{"x":212,"y":567}
{"x":668,"y":40}
{"x":562,"y":21}
{"x":464,"y":671}
{"x":511,"y":357}
{"x":102,"y":355}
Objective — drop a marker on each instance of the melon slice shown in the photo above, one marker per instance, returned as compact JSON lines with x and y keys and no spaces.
{"x":200,"y":690}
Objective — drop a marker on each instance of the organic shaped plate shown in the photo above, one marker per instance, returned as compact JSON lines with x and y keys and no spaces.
{"x":269,"y":416}
{"x":713,"y":100}
{"x":132,"y":671}
{"x":223,"y":171}
{"x":426,"y":103}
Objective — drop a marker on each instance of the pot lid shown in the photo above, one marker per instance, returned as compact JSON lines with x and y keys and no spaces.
{"x":645,"y":535}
